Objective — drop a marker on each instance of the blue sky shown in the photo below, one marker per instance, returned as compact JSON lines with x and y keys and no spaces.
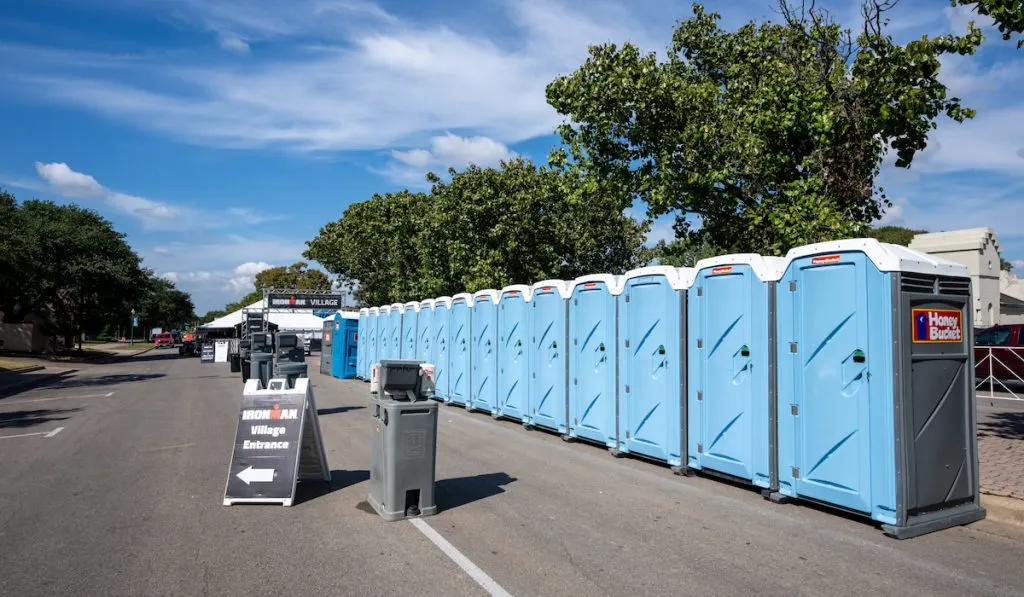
{"x":221,"y":135}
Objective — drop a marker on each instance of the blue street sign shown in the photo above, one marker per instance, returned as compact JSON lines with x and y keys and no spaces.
{"x":135,"y":321}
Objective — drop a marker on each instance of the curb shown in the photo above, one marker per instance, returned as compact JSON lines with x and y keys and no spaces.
{"x":16,"y":372}
{"x":1003,"y":509}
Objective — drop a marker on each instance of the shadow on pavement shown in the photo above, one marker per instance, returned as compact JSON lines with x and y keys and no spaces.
{"x":32,"y":381}
{"x":339,"y":480}
{"x":337,"y":409}
{"x":88,"y":381}
{"x":21,"y":419}
{"x":155,"y":355}
{"x":452,"y":493}
{"x":1008,"y":425}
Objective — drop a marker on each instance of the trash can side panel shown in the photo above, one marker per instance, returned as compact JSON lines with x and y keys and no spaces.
{"x":440,"y":356}
{"x":832,"y":390}
{"x":548,"y":394}
{"x":485,"y":354}
{"x":461,"y":346}
{"x":728,"y":362}
{"x":650,"y":399}
{"x":937,"y":397}
{"x":592,"y":363}
{"x":513,"y":356}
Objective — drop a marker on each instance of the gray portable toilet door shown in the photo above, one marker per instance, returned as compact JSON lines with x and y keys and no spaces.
{"x":833,"y":460}
{"x":326,"y":353}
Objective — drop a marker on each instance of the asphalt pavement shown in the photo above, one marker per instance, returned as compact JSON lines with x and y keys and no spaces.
{"x":112,"y":480}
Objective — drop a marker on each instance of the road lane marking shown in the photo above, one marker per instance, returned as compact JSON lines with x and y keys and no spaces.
{"x":107,"y":395}
{"x":168,"y":447}
{"x":474,"y":571}
{"x":21,"y":435}
{"x":54,"y":432}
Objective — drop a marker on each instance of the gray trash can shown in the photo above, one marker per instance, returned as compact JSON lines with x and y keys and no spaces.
{"x":291,"y":371}
{"x":262,"y":367}
{"x":404,"y":444}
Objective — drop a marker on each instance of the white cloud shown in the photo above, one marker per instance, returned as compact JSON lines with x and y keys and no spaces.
{"x":959,"y":16}
{"x":992,"y":141}
{"x":370,"y":82}
{"x":68,"y":182}
{"x":251,"y":268}
{"x":445,"y":151}
{"x":893,"y":216}
{"x":235,"y":44}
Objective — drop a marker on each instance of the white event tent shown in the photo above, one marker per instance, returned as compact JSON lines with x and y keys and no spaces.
{"x":295,"y":321}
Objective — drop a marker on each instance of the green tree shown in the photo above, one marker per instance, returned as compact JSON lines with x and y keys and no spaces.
{"x":163,"y":305}
{"x":896,"y":235}
{"x":297,"y":276}
{"x":74,"y":268}
{"x":685,"y":252}
{"x":771,"y":134}
{"x":1008,"y":15}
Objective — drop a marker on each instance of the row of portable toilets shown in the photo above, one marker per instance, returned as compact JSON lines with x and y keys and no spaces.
{"x":840,"y":374}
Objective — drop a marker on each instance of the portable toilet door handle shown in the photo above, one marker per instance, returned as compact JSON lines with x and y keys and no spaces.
{"x":552,"y":351}
{"x":854,"y":372}
{"x":659,"y":361}
{"x":600,"y":357}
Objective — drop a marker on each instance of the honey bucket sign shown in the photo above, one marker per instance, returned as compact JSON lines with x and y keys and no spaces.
{"x":938,"y":326}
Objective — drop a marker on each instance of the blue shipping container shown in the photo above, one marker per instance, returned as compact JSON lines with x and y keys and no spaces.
{"x":461,"y":349}
{"x":484,"y":316}
{"x":593,"y":319}
{"x":364,"y":320}
{"x":410,"y":330}
{"x":424,"y":331}
{"x":346,"y":328}
{"x":730,"y":397}
{"x":441,"y":344}
{"x":513,"y":352}
{"x":549,"y":365}
{"x":652,"y":361}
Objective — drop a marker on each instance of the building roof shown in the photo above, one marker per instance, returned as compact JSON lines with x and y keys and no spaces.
{"x":968,"y":239}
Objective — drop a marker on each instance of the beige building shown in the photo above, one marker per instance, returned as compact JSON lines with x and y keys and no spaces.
{"x":978,"y":249}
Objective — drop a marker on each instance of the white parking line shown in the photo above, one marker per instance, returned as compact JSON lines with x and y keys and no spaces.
{"x":474,"y":571}
{"x":21,"y":435}
{"x":6,"y":403}
{"x":54,"y":432}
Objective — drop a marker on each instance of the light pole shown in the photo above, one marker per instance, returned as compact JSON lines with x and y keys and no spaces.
{"x":133,"y":328}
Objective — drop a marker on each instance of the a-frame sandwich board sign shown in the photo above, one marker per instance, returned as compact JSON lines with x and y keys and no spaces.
{"x":277,"y":444}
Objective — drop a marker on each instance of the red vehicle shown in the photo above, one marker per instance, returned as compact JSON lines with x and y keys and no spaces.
{"x":999,"y":353}
{"x":164,"y":340}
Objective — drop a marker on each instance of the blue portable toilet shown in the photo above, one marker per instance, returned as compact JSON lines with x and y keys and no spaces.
{"x":460,"y":350}
{"x":514,"y":352}
{"x":484,"y":314}
{"x":876,"y":385}
{"x":383,"y":327}
{"x":593,"y":323}
{"x":364,"y":317}
{"x":731,"y":367}
{"x":652,"y":362}
{"x":550,"y":363}
{"x":424,"y":331}
{"x":410,"y":330}
{"x":372,"y":337}
{"x":395,"y":317}
{"x":440,"y":346}
{"x":344,"y":347}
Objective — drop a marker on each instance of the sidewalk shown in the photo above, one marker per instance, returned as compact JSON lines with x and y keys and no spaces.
{"x":1001,"y":458}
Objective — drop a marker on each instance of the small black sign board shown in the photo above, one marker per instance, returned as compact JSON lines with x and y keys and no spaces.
{"x":277,"y":444}
{"x":303,"y":300}
{"x":207,"y":354}
{"x":254,"y":322}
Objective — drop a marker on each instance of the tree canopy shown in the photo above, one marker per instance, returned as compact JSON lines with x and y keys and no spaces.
{"x":484,"y":228}
{"x":771,"y":135}
{"x":1008,"y":15}
{"x":70,"y":268}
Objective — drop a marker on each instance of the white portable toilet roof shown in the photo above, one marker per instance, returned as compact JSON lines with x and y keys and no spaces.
{"x":613,"y":283}
{"x":560,"y":285}
{"x":526,"y":291}
{"x":490,"y":293}
{"x":767,"y":269}
{"x":443,"y":300}
{"x":385,"y":309}
{"x":427,"y":303}
{"x":680,"y":278}
{"x":364,"y":310}
{"x":374,"y":310}
{"x":414,"y":305}
{"x":885,"y":256}
{"x":349,"y":314}
{"x":398,"y":306}
{"x":465,"y":296}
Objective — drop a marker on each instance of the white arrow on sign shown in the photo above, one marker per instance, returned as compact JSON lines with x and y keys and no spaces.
{"x":256,"y":475}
